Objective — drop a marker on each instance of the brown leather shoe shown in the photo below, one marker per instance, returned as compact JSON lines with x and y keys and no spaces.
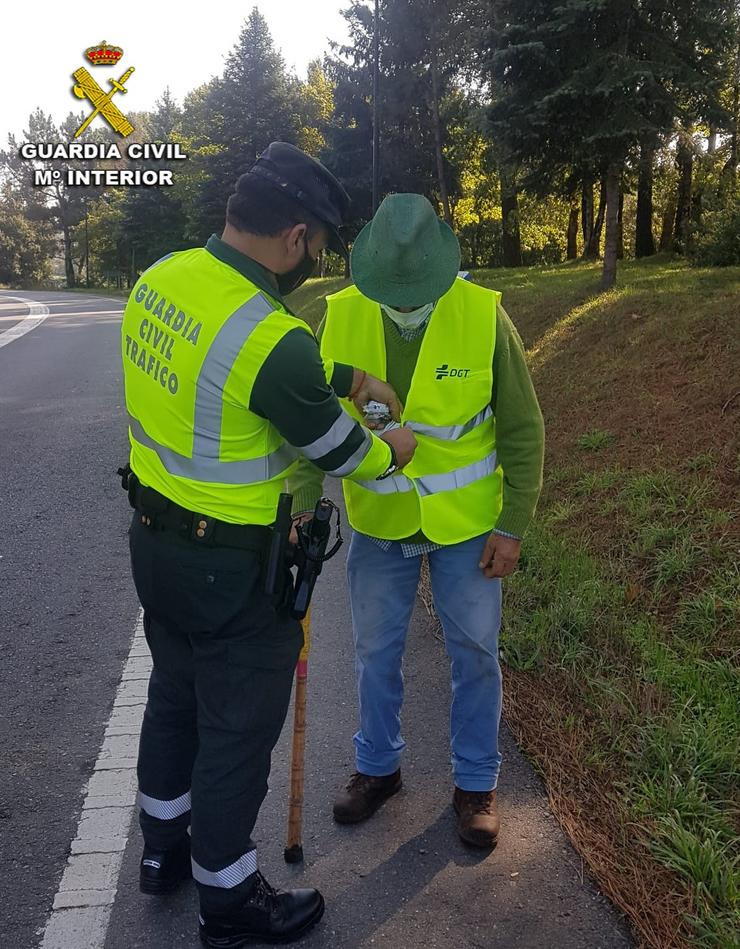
{"x":477,"y":817}
{"x":363,"y":796}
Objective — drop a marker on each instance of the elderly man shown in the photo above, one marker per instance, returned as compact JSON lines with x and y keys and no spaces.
{"x":453,"y":356}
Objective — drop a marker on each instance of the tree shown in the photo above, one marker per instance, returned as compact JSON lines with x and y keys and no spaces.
{"x":316,"y":104}
{"x":152,"y":221}
{"x":409,"y":144}
{"x":254,"y":103}
{"x":56,"y":203}
{"x":584,"y":81}
{"x":26,"y":246}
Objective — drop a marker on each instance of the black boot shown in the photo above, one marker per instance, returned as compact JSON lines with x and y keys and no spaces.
{"x":163,"y":871}
{"x":267,"y":915}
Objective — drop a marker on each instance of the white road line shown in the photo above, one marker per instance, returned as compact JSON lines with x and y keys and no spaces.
{"x":37,"y":313}
{"x":82,"y":906}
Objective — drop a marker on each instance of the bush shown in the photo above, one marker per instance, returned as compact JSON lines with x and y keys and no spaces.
{"x":719,"y":243}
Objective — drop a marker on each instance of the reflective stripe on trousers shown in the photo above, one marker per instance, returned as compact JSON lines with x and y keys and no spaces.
{"x":435,"y":483}
{"x":230,"y":876}
{"x":164,"y":810}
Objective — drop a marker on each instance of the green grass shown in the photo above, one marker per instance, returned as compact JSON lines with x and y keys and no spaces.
{"x":593,"y":441}
{"x":626,"y":609}
{"x":309,"y":301}
{"x":567,"y":618}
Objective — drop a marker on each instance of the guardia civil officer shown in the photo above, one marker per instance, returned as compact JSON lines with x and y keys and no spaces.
{"x":225,"y":388}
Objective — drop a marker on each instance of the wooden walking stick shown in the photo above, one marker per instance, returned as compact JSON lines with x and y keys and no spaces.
{"x":313,"y":540}
{"x":294,"y":849}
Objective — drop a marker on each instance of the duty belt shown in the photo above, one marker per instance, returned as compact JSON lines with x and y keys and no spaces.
{"x":159,"y":513}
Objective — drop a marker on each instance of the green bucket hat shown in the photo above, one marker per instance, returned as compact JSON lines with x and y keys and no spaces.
{"x":406,"y":256}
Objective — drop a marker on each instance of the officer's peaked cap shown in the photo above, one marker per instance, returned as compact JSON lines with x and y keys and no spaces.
{"x":309,"y":183}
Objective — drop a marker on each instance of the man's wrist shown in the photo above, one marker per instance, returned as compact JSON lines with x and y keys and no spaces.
{"x":497,"y":530}
{"x":358,"y":380}
{"x":392,"y":467}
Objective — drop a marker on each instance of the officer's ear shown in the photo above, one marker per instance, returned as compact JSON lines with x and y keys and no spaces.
{"x":295,"y":237}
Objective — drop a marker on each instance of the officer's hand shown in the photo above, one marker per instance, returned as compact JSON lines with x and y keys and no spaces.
{"x":500,"y":556}
{"x":298,"y":521}
{"x":404,"y":444}
{"x":378,"y":391}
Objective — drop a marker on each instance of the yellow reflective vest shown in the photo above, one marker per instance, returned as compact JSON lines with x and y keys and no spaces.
{"x":452,"y":488}
{"x":195,"y":334}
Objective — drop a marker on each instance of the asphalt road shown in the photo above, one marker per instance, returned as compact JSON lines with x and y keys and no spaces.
{"x":67,"y":606}
{"x":68,"y":609}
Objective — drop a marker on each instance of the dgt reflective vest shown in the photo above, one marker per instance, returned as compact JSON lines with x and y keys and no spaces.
{"x":452,"y":488}
{"x":195,"y":334}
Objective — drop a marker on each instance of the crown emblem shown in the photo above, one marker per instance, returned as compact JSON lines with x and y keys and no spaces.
{"x":104,"y":54}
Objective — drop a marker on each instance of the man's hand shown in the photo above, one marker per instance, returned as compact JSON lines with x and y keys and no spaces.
{"x":364,"y":390}
{"x":500,"y":556}
{"x":403,"y":441}
{"x":298,"y":521}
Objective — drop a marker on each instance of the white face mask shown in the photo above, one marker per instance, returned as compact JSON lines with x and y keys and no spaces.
{"x":410,"y":320}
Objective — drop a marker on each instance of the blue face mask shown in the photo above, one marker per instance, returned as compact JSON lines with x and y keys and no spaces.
{"x":410,"y":320}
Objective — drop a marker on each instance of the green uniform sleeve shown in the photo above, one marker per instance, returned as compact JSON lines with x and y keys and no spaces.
{"x":291,"y":390}
{"x":520,"y":430}
{"x":306,"y":483}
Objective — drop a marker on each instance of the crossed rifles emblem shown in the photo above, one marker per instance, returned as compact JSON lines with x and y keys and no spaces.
{"x":88,"y":88}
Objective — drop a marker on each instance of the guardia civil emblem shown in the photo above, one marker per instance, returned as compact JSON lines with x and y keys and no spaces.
{"x":104,"y":54}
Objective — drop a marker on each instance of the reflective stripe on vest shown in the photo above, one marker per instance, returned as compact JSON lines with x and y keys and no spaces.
{"x":451,"y":432}
{"x":215,"y":371}
{"x":332,"y":439}
{"x":198,"y":468}
{"x":354,"y":460}
{"x":435,"y":484}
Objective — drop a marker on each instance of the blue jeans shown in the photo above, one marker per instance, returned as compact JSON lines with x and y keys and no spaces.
{"x":383,"y":592}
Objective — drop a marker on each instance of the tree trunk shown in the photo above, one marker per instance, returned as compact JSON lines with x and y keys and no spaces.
{"x":685,"y":161}
{"x":511,"y":235}
{"x":376,"y":108}
{"x":572,"y":251}
{"x":474,"y":250}
{"x":587,"y":212}
{"x":669,"y":222}
{"x":611,"y":188}
{"x":593,"y":248}
{"x":512,"y":241}
{"x":644,"y":241}
{"x":443,"y":193}
{"x":69,"y":265}
{"x":730,"y":170}
{"x":620,"y":225}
